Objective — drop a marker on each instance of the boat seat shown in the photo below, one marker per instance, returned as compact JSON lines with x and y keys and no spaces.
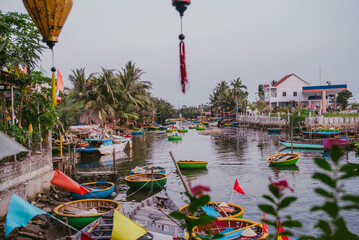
{"x":210,"y":211}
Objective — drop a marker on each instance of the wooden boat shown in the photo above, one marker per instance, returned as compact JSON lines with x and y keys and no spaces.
{"x":81,"y":145}
{"x":137,"y":132}
{"x":216,"y":209}
{"x":103,"y":226}
{"x":153,"y":214}
{"x":284,"y":159}
{"x":148,"y":169}
{"x":190,"y":164}
{"x":273,"y":130}
{"x":97,"y":190}
{"x":231,"y":228}
{"x":80,"y":213}
{"x":169,"y":130}
{"x":302,"y":145}
{"x":322,"y":134}
{"x":103,"y":146}
{"x":192,"y":126}
{"x":145,"y":181}
{"x":175,"y":138}
{"x":183,"y":130}
{"x":227,"y":124}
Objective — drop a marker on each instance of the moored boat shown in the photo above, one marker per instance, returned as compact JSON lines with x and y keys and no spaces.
{"x":154,"y":128}
{"x":216,"y":209}
{"x":146,"y":181}
{"x":192,"y":126}
{"x":273,"y":130}
{"x":284,"y":159}
{"x":174,"y":138}
{"x":148,"y":169}
{"x":80,"y":213}
{"x":153,"y":214}
{"x":97,"y":190}
{"x":322,"y":134}
{"x":302,"y":145}
{"x":190,"y":164}
{"x":201,"y":127}
{"x":232,"y":228}
{"x":183,"y":130}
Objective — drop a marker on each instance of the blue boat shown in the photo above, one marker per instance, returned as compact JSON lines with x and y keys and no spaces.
{"x":97,"y":190}
{"x":323,"y":134}
{"x":137,"y":132}
{"x":302,"y":145}
{"x":95,"y":144}
{"x":273,"y":130}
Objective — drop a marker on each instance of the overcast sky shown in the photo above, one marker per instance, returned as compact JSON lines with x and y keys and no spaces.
{"x":256,"y":40}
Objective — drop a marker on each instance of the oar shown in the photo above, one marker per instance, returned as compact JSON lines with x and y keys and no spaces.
{"x":179,"y":172}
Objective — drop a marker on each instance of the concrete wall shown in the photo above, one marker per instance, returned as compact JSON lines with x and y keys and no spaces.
{"x":25,"y":178}
{"x":264,"y":121}
{"x":341,"y":122}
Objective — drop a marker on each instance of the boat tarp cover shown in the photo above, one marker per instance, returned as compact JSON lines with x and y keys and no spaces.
{"x":9,"y":147}
{"x":210,"y":211}
{"x":126,"y":229}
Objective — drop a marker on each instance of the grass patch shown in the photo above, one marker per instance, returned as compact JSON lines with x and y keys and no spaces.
{"x":341,"y":114}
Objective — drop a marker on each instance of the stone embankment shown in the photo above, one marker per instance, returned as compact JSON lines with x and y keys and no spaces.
{"x":261,"y":121}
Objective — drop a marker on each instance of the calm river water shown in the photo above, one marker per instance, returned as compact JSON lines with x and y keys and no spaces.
{"x":237,"y":154}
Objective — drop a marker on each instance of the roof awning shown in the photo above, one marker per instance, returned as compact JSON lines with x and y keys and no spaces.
{"x":330,"y":89}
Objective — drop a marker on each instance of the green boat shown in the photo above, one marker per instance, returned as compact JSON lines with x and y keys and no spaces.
{"x":169,"y":130}
{"x":283,"y":159}
{"x":190,"y":164}
{"x":144,"y":181}
{"x":216,"y":209}
{"x":302,"y":145}
{"x":183,"y":130}
{"x":201,"y":127}
{"x":175,"y":138}
{"x":192,"y":127}
{"x":153,"y":128}
{"x":82,"y":212}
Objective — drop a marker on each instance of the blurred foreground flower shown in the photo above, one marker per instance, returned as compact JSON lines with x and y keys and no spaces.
{"x":328,"y":143}
{"x":199,"y":189}
{"x":281,"y":185}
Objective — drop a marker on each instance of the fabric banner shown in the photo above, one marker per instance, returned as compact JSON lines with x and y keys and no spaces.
{"x":60,"y":82}
{"x":125,"y":229}
{"x":264,"y":225}
{"x":238,"y":188}
{"x":63,"y":181}
{"x":9,"y":147}
{"x":280,"y":230}
{"x":20,"y":213}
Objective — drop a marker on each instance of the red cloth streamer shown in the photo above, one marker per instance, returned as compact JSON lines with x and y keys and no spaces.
{"x":238,"y":188}
{"x":184,"y":79}
{"x":63,"y":181}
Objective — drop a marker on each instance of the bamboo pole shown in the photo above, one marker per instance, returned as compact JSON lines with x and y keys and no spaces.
{"x":179,"y":172}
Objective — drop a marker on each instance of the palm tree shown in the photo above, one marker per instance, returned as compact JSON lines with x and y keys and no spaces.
{"x":237,"y":91}
{"x":273,"y":82}
{"x":80,"y":84}
{"x":101,"y":95}
{"x":252,"y":107}
{"x":260,"y":106}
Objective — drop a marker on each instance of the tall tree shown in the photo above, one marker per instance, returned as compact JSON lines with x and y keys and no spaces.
{"x":343,"y":98}
{"x":239,"y":94}
{"x":163,"y":108}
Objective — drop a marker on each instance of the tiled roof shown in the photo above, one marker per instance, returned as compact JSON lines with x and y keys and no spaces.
{"x":285,"y":78}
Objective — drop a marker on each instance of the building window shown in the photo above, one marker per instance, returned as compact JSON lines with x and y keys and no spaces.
{"x":294,"y":94}
{"x":284,"y":94}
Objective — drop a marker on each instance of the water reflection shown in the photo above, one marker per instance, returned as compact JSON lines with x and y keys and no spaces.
{"x":192,"y":175}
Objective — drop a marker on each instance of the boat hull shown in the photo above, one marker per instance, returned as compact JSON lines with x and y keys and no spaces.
{"x":81,"y":220}
{"x":97,"y":190}
{"x":148,"y":169}
{"x":237,"y":212}
{"x":302,"y":145}
{"x":189,"y":164}
{"x":143,"y":181}
{"x":294,"y":157}
{"x":175,"y":138}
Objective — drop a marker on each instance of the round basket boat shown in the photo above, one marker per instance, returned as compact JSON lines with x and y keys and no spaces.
{"x":82,"y":212}
{"x":97,"y":190}
{"x":174,"y":138}
{"x":284,"y":159}
{"x":191,"y":164}
{"x":223,"y":210}
{"x":169,"y":130}
{"x":183,"y":130}
{"x":148,"y":169}
{"x":231,"y":228}
{"x":144,"y":181}
{"x":192,"y":127}
{"x":201,"y":128}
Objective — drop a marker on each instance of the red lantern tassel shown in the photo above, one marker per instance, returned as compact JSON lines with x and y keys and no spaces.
{"x":184,"y":80}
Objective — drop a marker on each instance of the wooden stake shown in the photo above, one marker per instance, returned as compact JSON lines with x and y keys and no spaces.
{"x":179,"y":172}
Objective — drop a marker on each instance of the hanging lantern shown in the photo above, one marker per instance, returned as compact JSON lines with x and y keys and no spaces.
{"x":49,"y":17}
{"x":181,"y":6}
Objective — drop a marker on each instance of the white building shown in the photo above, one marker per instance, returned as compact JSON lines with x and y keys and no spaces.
{"x":292,"y":88}
{"x":286,"y":90}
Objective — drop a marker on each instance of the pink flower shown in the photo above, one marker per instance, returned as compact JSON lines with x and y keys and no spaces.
{"x":330,"y":142}
{"x":199,"y":189}
{"x":281,"y":185}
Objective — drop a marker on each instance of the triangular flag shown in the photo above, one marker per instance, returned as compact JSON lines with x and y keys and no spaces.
{"x":20,"y":213}
{"x":238,"y":188}
{"x":86,"y":237}
{"x":280,"y":230}
{"x":99,"y":115}
{"x":25,"y":69}
{"x":63,"y":181}
{"x":60,"y":83}
{"x":126,"y":229}
{"x":264,"y":225}
{"x":30,"y":128}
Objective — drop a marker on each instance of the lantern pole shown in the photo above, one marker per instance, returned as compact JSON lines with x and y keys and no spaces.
{"x":53,"y":89}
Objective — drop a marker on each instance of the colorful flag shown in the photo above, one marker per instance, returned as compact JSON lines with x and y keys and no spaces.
{"x":280,"y":230}
{"x":25,"y":69}
{"x":63,"y":181}
{"x":60,"y":83}
{"x":30,"y":128}
{"x":264,"y":225}
{"x":20,"y":213}
{"x":238,"y":188}
{"x":125,"y":228}
{"x":311,"y":107}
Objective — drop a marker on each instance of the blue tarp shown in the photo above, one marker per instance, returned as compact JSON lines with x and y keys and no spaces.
{"x":20,"y":213}
{"x":210,"y":211}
